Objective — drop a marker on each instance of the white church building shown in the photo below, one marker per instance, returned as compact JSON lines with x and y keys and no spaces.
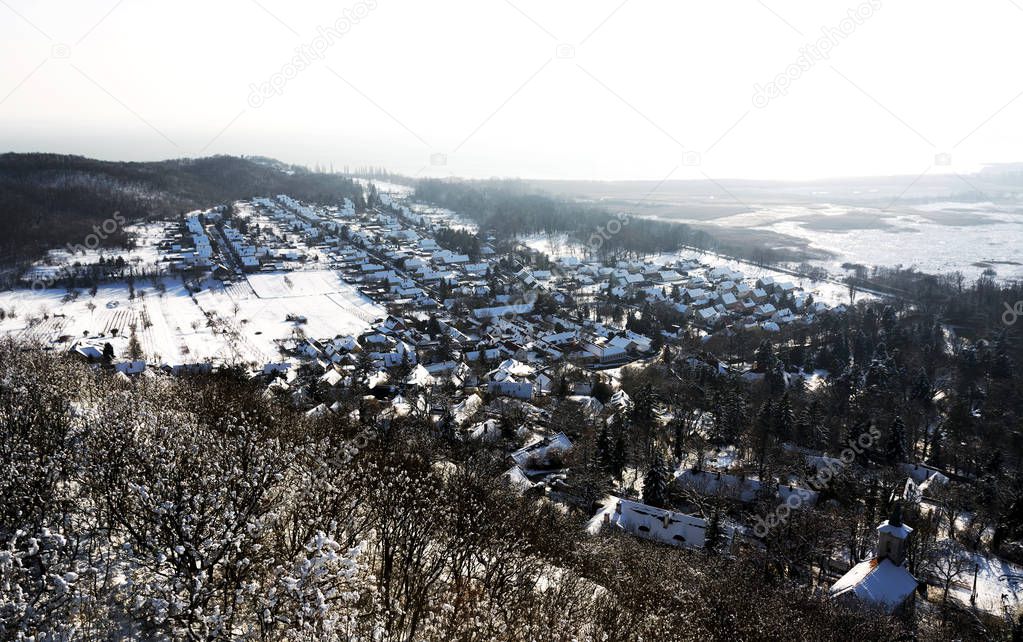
{"x":882,"y":582}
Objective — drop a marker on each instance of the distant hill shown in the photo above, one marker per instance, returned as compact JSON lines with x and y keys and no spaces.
{"x":49,"y":200}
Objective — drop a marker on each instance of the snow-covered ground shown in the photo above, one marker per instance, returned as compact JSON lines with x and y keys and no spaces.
{"x":145,"y":256}
{"x":934,"y":237}
{"x":385,"y":187}
{"x":999,"y":584}
{"x":237,"y":323}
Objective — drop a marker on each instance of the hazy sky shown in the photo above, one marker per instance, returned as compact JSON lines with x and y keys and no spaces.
{"x":544,"y":89}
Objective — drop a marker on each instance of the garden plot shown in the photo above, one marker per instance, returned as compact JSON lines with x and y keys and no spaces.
{"x":169,"y":326}
{"x":296,"y":284}
{"x":288,"y":305}
{"x":236,"y":324}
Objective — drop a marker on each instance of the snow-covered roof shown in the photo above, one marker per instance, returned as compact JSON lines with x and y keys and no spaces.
{"x":541,"y":449}
{"x":319,"y":411}
{"x":879,"y":583}
{"x":131,"y":367}
{"x":901,"y":530}
{"x":708,"y":483}
{"x":668,"y":527}
{"x":620,"y":400}
{"x":332,"y":377}
{"x":420,"y":376}
{"x":589,"y":405}
{"x":89,"y":352}
{"x":517,"y":479}
{"x":467,"y":408}
{"x":488,"y":430}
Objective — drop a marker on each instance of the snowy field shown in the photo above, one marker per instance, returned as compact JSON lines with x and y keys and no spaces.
{"x":935,"y":238}
{"x":238,"y":324}
{"x":385,"y":187}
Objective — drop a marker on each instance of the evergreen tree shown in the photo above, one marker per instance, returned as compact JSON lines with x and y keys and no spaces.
{"x":895,"y":448}
{"x":776,"y":379}
{"x":889,"y":320}
{"x":922,"y":387}
{"x":712,"y":536}
{"x":784,"y":419}
{"x":764,"y":356}
{"x":861,"y":348}
{"x":762,"y":434}
{"x":805,"y":428}
{"x":643,"y":407}
{"x":404,"y":368}
{"x":446,"y":426}
{"x":134,"y":349}
{"x":619,"y":455}
{"x":655,"y":483}
{"x":1002,"y":367}
{"x":679,"y":442}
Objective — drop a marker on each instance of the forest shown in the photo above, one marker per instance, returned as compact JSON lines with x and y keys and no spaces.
{"x":50,"y":200}
{"x":508,"y":209}
{"x":198,"y":508}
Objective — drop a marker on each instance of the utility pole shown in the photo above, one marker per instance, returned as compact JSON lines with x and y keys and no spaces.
{"x":973,"y":594}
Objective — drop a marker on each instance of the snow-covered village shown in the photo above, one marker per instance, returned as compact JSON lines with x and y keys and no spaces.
{"x":713,"y":407}
{"x":520,"y":321}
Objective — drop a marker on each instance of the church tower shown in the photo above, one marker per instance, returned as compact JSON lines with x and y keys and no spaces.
{"x":892,"y":536}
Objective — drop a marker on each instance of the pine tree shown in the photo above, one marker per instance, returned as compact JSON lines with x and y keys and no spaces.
{"x":679,"y":442}
{"x":762,"y":434}
{"x":764,"y":356}
{"x":784,"y":418}
{"x":643,"y":408}
{"x":922,"y":387}
{"x":404,"y":368}
{"x":446,"y":427}
{"x":1002,"y":367}
{"x":655,"y":483}
{"x":895,"y":448}
{"x":134,"y":349}
{"x":619,"y":455}
{"x":805,"y":432}
{"x":721,"y":412}
{"x":776,"y":378}
{"x":712,"y":536}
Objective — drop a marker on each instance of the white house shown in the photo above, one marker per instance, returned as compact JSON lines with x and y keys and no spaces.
{"x":657,"y":524}
{"x":882,"y":581}
{"x":540,"y":452}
